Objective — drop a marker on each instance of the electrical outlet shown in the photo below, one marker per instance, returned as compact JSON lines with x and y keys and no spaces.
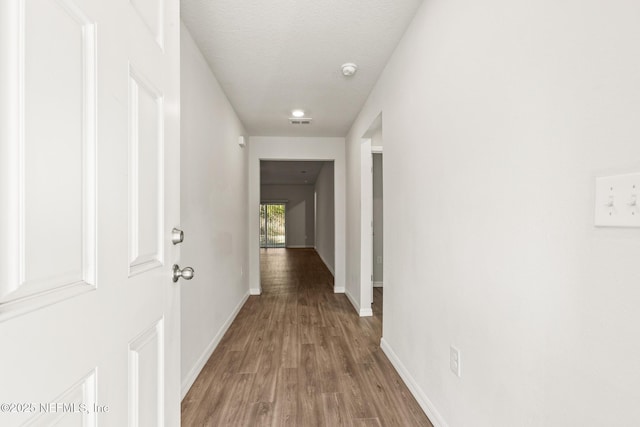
{"x":454,"y":360}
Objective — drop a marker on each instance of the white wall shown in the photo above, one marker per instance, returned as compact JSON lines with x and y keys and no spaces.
{"x":498,"y":115}
{"x":325,"y":214}
{"x":299,"y":212}
{"x":291,"y":148}
{"x":213,"y":205}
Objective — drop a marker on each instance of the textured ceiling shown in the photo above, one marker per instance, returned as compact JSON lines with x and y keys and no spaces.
{"x":289,"y":172}
{"x":271,"y":56}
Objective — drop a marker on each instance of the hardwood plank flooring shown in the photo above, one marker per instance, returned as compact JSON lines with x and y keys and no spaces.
{"x":299,"y":355}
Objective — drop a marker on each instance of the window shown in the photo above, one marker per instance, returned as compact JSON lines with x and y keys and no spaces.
{"x":272,"y":225}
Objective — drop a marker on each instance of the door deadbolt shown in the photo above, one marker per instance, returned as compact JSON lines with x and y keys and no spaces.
{"x":177,"y":236}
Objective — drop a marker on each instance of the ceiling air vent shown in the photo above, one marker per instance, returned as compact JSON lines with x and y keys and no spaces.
{"x":300,"y":121}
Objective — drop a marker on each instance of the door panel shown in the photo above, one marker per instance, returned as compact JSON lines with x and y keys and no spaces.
{"x":50,"y":256}
{"x":89,"y":189}
{"x":61,"y":252}
{"x":79,"y":413}
{"x":146,"y":174}
{"x":146,"y":378}
{"x":151,"y":13}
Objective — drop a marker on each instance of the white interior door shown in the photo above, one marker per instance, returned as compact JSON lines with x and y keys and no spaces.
{"x":89,"y":192}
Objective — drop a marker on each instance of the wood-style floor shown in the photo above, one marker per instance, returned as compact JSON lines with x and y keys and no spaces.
{"x":299,"y":355}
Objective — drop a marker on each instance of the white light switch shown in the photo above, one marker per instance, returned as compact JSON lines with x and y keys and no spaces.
{"x":617,"y":203}
{"x":454,"y":360}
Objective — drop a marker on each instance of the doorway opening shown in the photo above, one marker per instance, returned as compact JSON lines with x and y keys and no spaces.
{"x":371,"y":219}
{"x":378,"y":223}
{"x":378,"y":227}
{"x":296,"y":212}
{"x":272,"y":225}
{"x":315,"y":211}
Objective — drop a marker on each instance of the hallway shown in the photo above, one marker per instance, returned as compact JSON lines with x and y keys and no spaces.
{"x":298,"y":355}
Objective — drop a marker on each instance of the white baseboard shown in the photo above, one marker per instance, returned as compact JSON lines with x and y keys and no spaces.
{"x":377,"y":284}
{"x":339,"y":290}
{"x":362,"y":311}
{"x":300,"y":247}
{"x":253,"y":291}
{"x":202,"y":360}
{"x":365,"y":312}
{"x":353,"y":302}
{"x":424,"y":402}
{"x":333,"y":273}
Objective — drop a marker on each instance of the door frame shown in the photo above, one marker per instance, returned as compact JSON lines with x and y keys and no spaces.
{"x":369,"y":144}
{"x":297,"y":148}
{"x":366,"y":225}
{"x":366,"y":228}
{"x":376,"y":149}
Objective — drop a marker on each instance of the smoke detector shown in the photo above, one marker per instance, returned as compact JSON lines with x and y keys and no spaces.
{"x":349,"y":69}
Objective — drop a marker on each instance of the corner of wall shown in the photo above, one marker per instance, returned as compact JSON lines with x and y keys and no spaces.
{"x":329,"y":267}
{"x":362,"y":311}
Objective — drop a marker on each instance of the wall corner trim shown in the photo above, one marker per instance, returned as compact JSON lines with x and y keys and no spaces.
{"x":424,"y":401}
{"x":202,"y":360}
{"x":254,"y":291}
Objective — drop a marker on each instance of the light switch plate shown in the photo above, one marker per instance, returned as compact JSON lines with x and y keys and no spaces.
{"x":454,"y":360}
{"x":617,"y":201}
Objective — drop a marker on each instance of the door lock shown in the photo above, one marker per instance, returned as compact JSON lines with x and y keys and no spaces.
{"x":177,"y":236}
{"x":186,"y":273}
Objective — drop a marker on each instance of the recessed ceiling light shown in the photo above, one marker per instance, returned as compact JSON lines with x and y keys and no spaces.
{"x":297,"y":113}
